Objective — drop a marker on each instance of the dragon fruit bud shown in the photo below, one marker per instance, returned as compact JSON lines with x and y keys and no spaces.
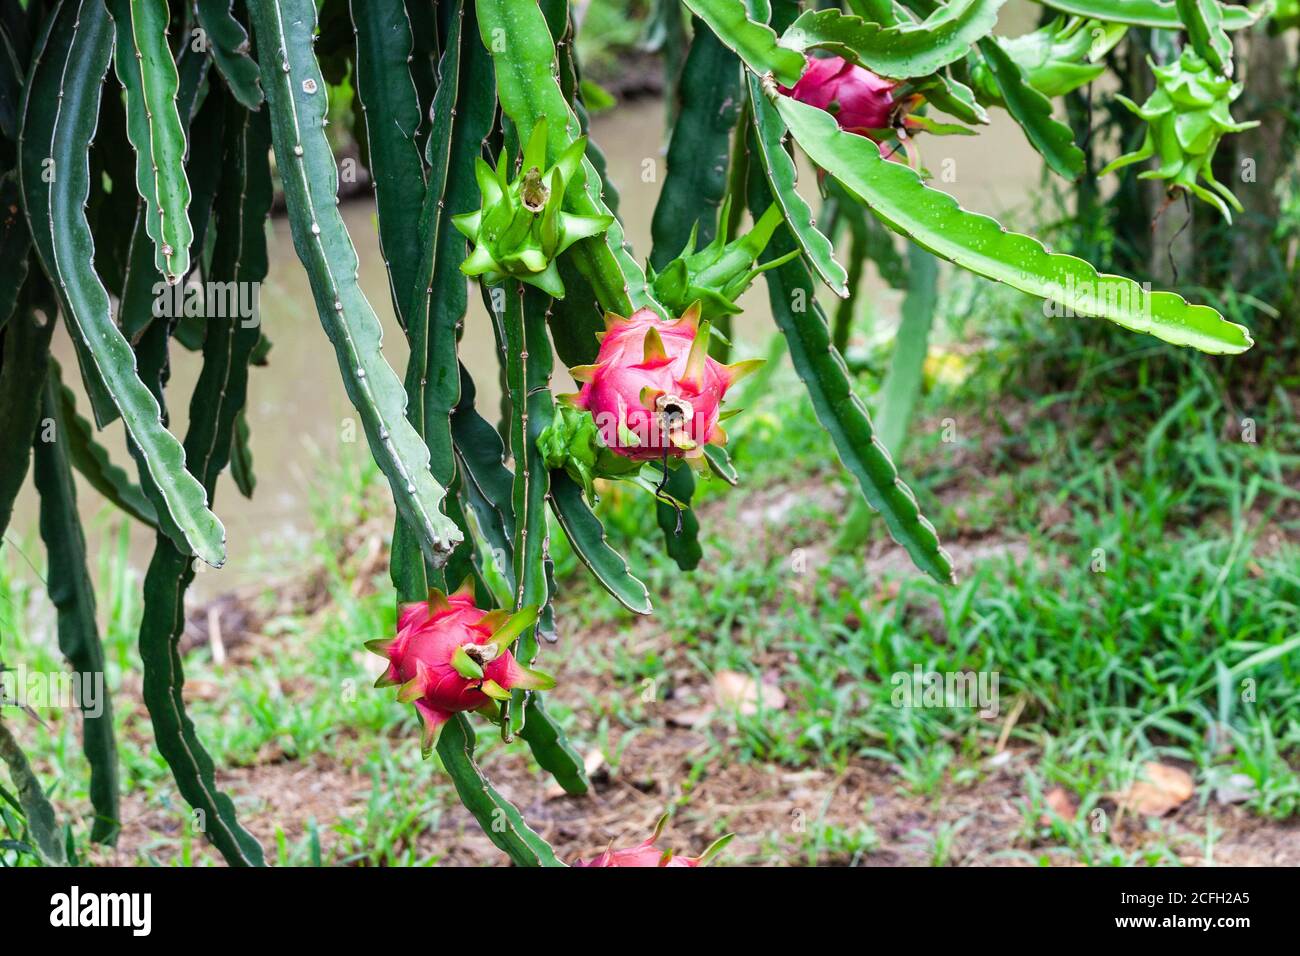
{"x":647,"y":854}
{"x":521,"y":229}
{"x":1187,"y":116}
{"x":449,"y":656}
{"x":860,"y":101}
{"x":720,"y":272}
{"x":654,"y":391}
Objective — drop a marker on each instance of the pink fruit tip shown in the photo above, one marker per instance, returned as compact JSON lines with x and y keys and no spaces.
{"x":647,"y":854}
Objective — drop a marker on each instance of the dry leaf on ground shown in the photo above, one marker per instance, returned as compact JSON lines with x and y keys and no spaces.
{"x":1060,"y":802}
{"x":741,"y":692}
{"x":1160,"y":789}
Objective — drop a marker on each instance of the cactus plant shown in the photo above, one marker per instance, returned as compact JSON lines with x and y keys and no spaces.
{"x":115,"y":181}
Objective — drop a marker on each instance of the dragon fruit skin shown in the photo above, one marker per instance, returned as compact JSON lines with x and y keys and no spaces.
{"x":654,"y":390}
{"x":648,"y":855}
{"x":644,"y":854}
{"x":449,"y":656}
{"x":861,"y":102}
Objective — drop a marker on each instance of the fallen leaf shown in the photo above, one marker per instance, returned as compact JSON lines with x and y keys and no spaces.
{"x":1161,"y":789}
{"x":1060,"y":802}
{"x":742,"y":693}
{"x":1000,"y":759}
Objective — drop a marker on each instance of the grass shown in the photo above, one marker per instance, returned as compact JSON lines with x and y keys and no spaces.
{"x":1137,"y":598}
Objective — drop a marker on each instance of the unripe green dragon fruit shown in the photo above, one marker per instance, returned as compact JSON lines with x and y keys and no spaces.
{"x":572,"y":442}
{"x":449,"y":656}
{"x":521,"y":229}
{"x":718,"y":274}
{"x":1186,"y":117}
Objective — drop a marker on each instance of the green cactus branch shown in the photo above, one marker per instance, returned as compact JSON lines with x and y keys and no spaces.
{"x":42,"y":821}
{"x":823,"y":372}
{"x":896,"y":195}
{"x":903,"y":50}
{"x":239,"y":256}
{"x":26,"y":341}
{"x":1160,"y":14}
{"x":144,"y":65}
{"x":92,"y":460}
{"x":296,"y":97}
{"x":390,"y":107}
{"x":72,"y":593}
{"x":59,"y":113}
{"x":502,"y":823}
{"x":231,"y":50}
{"x":782,"y":176}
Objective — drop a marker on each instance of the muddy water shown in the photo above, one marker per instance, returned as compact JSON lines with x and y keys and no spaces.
{"x":299,"y":411}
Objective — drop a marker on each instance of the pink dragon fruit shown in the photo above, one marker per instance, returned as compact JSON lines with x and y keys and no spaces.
{"x":861,"y":102}
{"x":654,"y":391}
{"x":647,"y":854}
{"x":449,"y":656}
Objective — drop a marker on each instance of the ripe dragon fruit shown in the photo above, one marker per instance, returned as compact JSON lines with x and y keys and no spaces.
{"x":861,"y":102}
{"x":647,"y":854}
{"x":449,"y":656}
{"x":654,"y":392}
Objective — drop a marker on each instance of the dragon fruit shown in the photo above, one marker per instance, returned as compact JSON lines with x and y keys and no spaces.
{"x":861,"y":102}
{"x":654,"y":391}
{"x":449,"y":656}
{"x":647,"y":854}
